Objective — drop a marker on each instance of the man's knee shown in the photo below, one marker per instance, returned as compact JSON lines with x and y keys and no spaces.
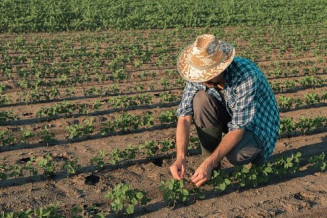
{"x":243,"y":156}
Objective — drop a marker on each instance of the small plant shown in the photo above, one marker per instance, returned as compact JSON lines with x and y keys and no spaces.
{"x":166,"y":97}
{"x":311,"y":98}
{"x":124,"y":199}
{"x":7,"y":116}
{"x":148,"y":119}
{"x":318,"y":161}
{"x":51,"y":210}
{"x":150,"y":148}
{"x":71,"y":166}
{"x":47,"y":136}
{"x":98,"y":160}
{"x":166,"y":145}
{"x":79,"y":130}
{"x":164,"y":83}
{"x":286,"y":165}
{"x":7,"y":138}
{"x":174,"y":191}
{"x":126,"y":154}
{"x":168,"y":117}
{"x":285,"y":102}
{"x":287,"y":126}
{"x":25,"y":135}
{"x":47,"y":164}
{"x":219,"y":180}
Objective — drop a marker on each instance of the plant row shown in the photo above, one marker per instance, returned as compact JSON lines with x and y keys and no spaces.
{"x":309,"y":99}
{"x":124,"y":200}
{"x":126,"y":123}
{"x":52,"y":165}
{"x":103,"y":14}
{"x":54,"y":93}
{"x":116,"y":103}
{"x":123,"y":122}
{"x":294,"y":85}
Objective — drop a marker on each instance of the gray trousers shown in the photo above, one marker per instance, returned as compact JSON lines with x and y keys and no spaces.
{"x":211,"y":118}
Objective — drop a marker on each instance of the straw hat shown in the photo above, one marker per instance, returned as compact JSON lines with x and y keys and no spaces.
{"x":205,"y":59}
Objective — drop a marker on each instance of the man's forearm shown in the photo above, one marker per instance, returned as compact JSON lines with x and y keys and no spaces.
{"x":230,"y":140}
{"x":182,"y":136}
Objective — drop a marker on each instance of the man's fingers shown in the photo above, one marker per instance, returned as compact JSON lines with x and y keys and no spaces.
{"x":194,"y":175}
{"x":182,"y":172}
{"x":197,"y":176}
{"x":198,"y":184}
{"x":174,"y":171}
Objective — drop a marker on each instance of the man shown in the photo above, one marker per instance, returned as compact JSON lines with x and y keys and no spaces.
{"x":223,"y":93}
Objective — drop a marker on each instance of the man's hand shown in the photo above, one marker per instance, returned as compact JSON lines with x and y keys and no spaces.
{"x":177,"y":169}
{"x":202,"y":173}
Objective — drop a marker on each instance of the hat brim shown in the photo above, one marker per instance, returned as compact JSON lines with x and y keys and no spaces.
{"x":193,"y":74}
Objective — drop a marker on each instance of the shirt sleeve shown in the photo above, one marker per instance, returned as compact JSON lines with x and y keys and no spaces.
{"x":186,"y":105}
{"x":245,"y":104}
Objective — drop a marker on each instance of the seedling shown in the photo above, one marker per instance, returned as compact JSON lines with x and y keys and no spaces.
{"x":286,"y":165}
{"x":124,"y":199}
{"x":126,"y":154}
{"x":174,"y":191}
{"x":98,"y":160}
{"x":47,"y":136}
{"x":47,"y":164}
{"x":168,"y":117}
{"x":219,"y":180}
{"x":318,"y":161}
{"x":71,"y":166}
{"x":26,"y":135}
{"x":311,"y":98}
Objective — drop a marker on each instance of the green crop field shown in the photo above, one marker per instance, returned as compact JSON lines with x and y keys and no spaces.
{"x":88,"y":99}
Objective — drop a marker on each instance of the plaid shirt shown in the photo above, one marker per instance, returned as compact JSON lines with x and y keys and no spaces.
{"x":249,"y":100}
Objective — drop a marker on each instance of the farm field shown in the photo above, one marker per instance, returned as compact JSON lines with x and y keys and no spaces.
{"x":82,"y":112}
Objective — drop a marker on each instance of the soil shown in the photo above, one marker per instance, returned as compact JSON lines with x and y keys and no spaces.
{"x":303,"y":194}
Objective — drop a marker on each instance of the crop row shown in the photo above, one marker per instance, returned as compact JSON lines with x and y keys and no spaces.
{"x":298,"y":84}
{"x":67,"y":77}
{"x":52,"y":164}
{"x":114,"y":103}
{"x":277,"y":34}
{"x":126,"y":122}
{"x":94,"y":62}
{"x":117,"y":103}
{"x":40,"y":94}
{"x":86,"y":57}
{"x":309,"y":99}
{"x":101,"y":14}
{"x":124,"y":200}
{"x":289,"y":127}
{"x":123,"y":122}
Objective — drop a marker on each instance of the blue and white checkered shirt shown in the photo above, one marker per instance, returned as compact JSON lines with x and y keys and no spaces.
{"x":249,"y":100}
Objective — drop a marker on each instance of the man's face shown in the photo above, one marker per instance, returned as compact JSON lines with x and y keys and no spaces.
{"x":214,"y":81}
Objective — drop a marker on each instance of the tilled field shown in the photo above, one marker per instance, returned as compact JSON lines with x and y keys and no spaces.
{"x":82,"y":113}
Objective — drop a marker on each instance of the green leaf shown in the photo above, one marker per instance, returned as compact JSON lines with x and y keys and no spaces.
{"x":222,"y":186}
{"x":130,"y":209}
{"x":139,"y":195}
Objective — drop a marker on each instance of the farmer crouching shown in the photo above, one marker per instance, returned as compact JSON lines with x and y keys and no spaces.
{"x":223,"y":93}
